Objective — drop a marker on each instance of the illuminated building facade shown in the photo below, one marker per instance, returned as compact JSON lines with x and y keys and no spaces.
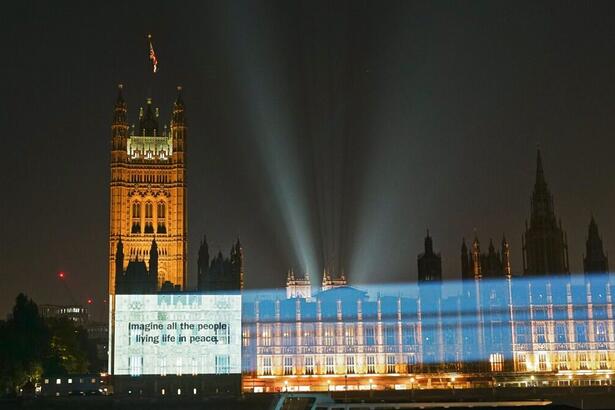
{"x":344,"y":338}
{"x":148,"y":192}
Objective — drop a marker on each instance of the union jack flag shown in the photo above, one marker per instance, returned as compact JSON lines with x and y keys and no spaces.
{"x":152,"y":56}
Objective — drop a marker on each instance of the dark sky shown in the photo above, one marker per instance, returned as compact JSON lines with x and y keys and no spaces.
{"x":320,"y":133}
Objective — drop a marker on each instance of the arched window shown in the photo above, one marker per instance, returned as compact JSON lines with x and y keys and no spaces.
{"x":136,"y":217}
{"x":161,"y":215}
{"x":149,"y":214}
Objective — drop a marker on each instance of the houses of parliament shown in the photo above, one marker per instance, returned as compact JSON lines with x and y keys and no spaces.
{"x":541,"y":327}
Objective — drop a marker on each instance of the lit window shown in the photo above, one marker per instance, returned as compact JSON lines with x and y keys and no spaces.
{"x":390,"y":364}
{"x":267,"y":366}
{"x":309,"y":365}
{"x":408,"y":335}
{"x":582,"y":356}
{"x":497,"y":362}
{"x":542,"y":362}
{"x":329,"y":335}
{"x":603,"y":361}
{"x":266,"y":335}
{"x":371,"y":364}
{"x":411,"y":362}
{"x":560,"y":333}
{"x":349,"y":335}
{"x":70,"y":381}
{"x":329,"y":365}
{"x":600,"y":332}
{"x":308,"y":335}
{"x":540,"y":334}
{"x":194,"y":391}
{"x":370,"y":338}
{"x":562,"y":361}
{"x":46,"y":381}
{"x":389,"y":335}
{"x":581,"y":333}
{"x":58,"y":381}
{"x":521,"y":362}
{"x":136,"y":365}
{"x":349,"y":364}
{"x":288,"y":365}
{"x":223,"y":364}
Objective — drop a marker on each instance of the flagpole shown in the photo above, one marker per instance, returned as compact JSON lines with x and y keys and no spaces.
{"x":151,"y":78}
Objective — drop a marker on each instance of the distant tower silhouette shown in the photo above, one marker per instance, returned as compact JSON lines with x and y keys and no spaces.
{"x":493,"y":264}
{"x":220,"y":274}
{"x":429,"y":263}
{"x":545,"y":248}
{"x":595,"y":260}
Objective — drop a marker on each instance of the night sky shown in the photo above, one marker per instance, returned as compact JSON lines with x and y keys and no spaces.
{"x":327,"y":133}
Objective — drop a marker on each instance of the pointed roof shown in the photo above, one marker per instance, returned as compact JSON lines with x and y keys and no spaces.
{"x":119,"y":113}
{"x":542,"y":200}
{"x":148,"y":122}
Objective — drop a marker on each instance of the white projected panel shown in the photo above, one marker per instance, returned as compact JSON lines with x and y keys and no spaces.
{"x":177,"y":334}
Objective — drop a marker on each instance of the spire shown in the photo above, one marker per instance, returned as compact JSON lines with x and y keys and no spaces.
{"x":428,"y":244}
{"x":475,"y":258}
{"x":148,"y":121}
{"x":540,"y":173}
{"x":203,"y":257}
{"x":542,"y":200}
{"x":119,"y":113}
{"x":595,"y":260}
{"x":506,"y":257}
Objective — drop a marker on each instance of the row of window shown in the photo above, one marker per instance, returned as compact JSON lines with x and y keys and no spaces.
{"x":390,"y":334}
{"x":562,"y":361}
{"x":148,"y":226}
{"x":329,"y":367}
{"x":523,"y":332}
{"x":370,"y":337}
{"x":222,"y":365}
{"x":161,"y":179}
{"x":149,"y":210}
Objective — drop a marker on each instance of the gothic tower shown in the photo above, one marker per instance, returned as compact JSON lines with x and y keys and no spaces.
{"x":545,"y":248}
{"x":595,"y":260}
{"x":148,"y":192}
{"x":429,"y":263}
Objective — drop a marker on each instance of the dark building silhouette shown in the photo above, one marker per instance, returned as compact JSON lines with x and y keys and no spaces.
{"x":429,"y":263}
{"x":220,"y":274}
{"x":594,"y":260}
{"x":493,"y":264}
{"x":545,"y":248}
{"x":137,"y":278}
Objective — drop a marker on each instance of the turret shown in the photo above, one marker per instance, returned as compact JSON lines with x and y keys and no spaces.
{"x":148,"y":121}
{"x":476,"y":268}
{"x":178,"y":127}
{"x":506,"y":258}
{"x":595,"y":260}
{"x":119,"y":127}
{"x":203,"y":258}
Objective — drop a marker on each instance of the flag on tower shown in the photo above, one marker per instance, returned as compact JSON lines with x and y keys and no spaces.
{"x":152,"y":54}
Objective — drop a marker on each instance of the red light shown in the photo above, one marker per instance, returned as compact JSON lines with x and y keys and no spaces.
{"x":61,"y":275}
{"x":90,"y":301}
